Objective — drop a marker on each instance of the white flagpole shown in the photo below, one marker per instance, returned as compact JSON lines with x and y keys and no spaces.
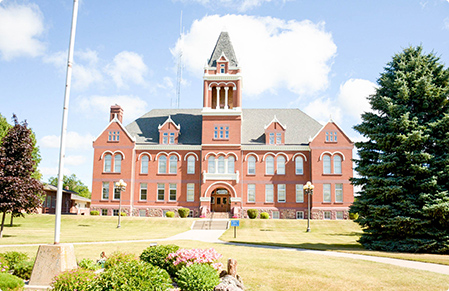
{"x":64,"y":124}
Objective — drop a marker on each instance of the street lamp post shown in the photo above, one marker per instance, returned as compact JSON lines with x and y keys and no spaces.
{"x":121,"y":186}
{"x":308,"y":188}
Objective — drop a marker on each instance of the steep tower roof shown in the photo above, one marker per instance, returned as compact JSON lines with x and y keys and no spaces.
{"x":223,"y":46}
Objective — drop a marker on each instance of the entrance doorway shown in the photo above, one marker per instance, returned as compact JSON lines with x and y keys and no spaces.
{"x":220,"y":200}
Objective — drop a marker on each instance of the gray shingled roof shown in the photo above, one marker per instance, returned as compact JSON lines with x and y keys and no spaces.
{"x":223,"y":45}
{"x":300,"y":126}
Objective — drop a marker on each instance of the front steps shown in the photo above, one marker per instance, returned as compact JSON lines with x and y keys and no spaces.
{"x":209,"y":224}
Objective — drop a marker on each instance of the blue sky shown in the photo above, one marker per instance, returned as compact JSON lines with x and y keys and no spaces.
{"x":323,"y":57}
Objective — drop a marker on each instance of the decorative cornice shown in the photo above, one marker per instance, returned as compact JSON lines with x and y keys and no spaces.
{"x":168,"y":147}
{"x":222,"y":77}
{"x":275,"y":148}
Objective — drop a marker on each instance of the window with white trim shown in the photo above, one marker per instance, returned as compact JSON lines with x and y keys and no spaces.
{"x":162,"y":165}
{"x":160,"y":192}
{"x":337,"y":164}
{"x":173,"y":165}
{"x":104,"y":212}
{"x":222,"y":68}
{"x":280,"y":165}
{"x":271,"y":138}
{"x":190,"y":192}
{"x":299,"y":214}
{"x":339,"y":192}
{"x":107,"y":163}
{"x":117,"y":193}
{"x":281,"y":193}
{"x":231,"y":165}
{"x":251,"y":192}
{"x":299,"y":193}
{"x":327,"y":193}
{"x":211,"y":165}
{"x":221,"y":132}
{"x":114,"y":136}
{"x":331,"y":136}
{"x":115,"y":212}
{"x":251,"y":165}
{"x":142,"y":213}
{"x":326,"y":164}
{"x":339,"y":214}
{"x":269,"y":165}
{"x":299,"y":166}
{"x":172,"y":189}
{"x":191,"y":165}
{"x":105,"y":191}
{"x":144,"y":164}
{"x":278,"y":138}
{"x":221,"y":164}
{"x":327,"y":215}
{"x":275,"y":214}
{"x":143,"y":191}
{"x":172,"y":138}
{"x":117,"y":163}
{"x":165,"y":138}
{"x":269,"y":192}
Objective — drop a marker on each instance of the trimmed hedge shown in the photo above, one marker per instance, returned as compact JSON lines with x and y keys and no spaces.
{"x":156,"y":255}
{"x":170,"y":214}
{"x":198,"y":277}
{"x":183,"y":212}
{"x":264,"y":215}
{"x":252,"y":213}
{"x":94,"y":212}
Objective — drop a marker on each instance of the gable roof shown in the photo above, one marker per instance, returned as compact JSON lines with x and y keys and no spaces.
{"x":301,"y":127}
{"x":223,"y":46}
{"x":169,"y":120}
{"x":275,"y":120}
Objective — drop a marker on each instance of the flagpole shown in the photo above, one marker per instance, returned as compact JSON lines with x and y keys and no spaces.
{"x":64,"y":124}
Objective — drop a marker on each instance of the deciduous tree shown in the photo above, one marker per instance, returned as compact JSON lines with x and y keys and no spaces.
{"x":73,"y":183}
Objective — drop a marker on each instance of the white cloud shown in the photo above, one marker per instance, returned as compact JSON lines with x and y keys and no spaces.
{"x":133,"y":106}
{"x":53,"y":171}
{"x":240,"y":5}
{"x":74,"y":160}
{"x":273,"y":53}
{"x":74,"y":140}
{"x":127,"y":67}
{"x":20,"y":27}
{"x":353,"y":94}
{"x":322,"y":110}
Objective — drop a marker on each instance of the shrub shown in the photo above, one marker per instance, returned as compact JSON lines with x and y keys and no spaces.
{"x":88,"y":264}
{"x":14,"y":258}
{"x":77,"y":279}
{"x":133,"y":275}
{"x":3,"y":265}
{"x":264,"y":215}
{"x":184,"y":257}
{"x":94,"y":212}
{"x":157,"y":255}
{"x":117,"y":258}
{"x":123,"y":214}
{"x":170,"y":214}
{"x":353,"y":216}
{"x":10,"y":282}
{"x":23,"y":270}
{"x":183,"y":212}
{"x":252,"y":213}
{"x":198,"y":277}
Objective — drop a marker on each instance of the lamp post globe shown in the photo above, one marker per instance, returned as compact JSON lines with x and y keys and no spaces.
{"x":121,"y":186}
{"x":308,"y":188}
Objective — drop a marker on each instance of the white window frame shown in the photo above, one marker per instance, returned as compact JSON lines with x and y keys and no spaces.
{"x":231,"y":164}
{"x":282,"y":193}
{"x":118,"y":163}
{"x":211,"y":165}
{"x":117,"y":193}
{"x":162,"y":165}
{"x":221,"y":165}
{"x":271,"y":138}
{"x":280,"y":165}
{"x":172,"y":138}
{"x":339,"y":192}
{"x":143,"y":191}
{"x":104,"y":212}
{"x":144,"y":162}
{"x":327,"y":193}
{"x":173,"y":188}
{"x":299,"y":214}
{"x":173,"y":165}
{"x":160,"y":190}
{"x":327,"y":215}
{"x":269,"y":193}
{"x":339,"y":215}
{"x":278,"y":138}
{"x":269,"y":165}
{"x":299,"y":193}
{"x":104,"y":187}
{"x":165,"y":138}
{"x":190,"y":192}
{"x":142,"y":211}
{"x":276,"y":214}
{"x":115,"y":212}
{"x":299,"y":166}
{"x":107,"y":163}
{"x":337,"y":164}
{"x":190,"y":164}
{"x":252,"y":193}
{"x":251,"y":165}
{"x":326,"y":164}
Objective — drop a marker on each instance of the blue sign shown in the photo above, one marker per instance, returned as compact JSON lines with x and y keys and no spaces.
{"x":235,"y":222}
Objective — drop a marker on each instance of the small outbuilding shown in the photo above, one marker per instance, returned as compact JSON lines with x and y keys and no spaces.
{"x":72,"y":203}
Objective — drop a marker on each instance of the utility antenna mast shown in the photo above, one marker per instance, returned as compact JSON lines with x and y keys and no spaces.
{"x":179,"y":73}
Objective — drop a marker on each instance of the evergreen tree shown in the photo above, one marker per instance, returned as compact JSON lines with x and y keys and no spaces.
{"x":19,"y":191}
{"x":73,"y":183}
{"x":404,"y":164}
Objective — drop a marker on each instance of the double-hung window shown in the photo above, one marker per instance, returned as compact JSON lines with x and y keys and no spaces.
{"x":105,"y":191}
{"x":191,"y":165}
{"x":251,"y":165}
{"x":190,"y":192}
{"x":269,"y":165}
{"x":160,"y":192}
{"x":117,"y":193}
{"x":327,"y":193}
{"x":143,"y":191}
{"x":144,"y":164}
{"x":281,"y":193}
{"x":299,"y":165}
{"x":221,"y":165}
{"x":251,"y":192}
{"x":165,"y":138}
{"x":269,"y":192}
{"x":118,"y":163}
{"x":339,"y":192}
{"x":173,"y":164}
{"x":326,"y":164}
{"x":172,"y":196}
{"x":172,"y":138}
{"x":271,"y":138}
{"x":107,"y":163}
{"x":231,"y":165}
{"x":280,"y":165}
{"x":162,"y":167}
{"x":278,"y":138}
{"x":211,"y":164}
{"x":299,"y":193}
{"x":337,"y":164}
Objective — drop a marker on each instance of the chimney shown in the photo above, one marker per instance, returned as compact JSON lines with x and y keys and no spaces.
{"x":116,"y":111}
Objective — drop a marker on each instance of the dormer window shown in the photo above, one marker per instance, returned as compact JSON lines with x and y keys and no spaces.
{"x":169,"y":132}
{"x":222,"y":68}
{"x":275,"y":132}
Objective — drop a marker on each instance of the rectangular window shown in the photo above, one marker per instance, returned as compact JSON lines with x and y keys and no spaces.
{"x":299,"y":193}
{"x":221,"y":132}
{"x":216,"y":132}
{"x":142,"y":213}
{"x":115,"y":212}
{"x":281,"y":192}
{"x":278,"y":138}
{"x":172,"y":189}
{"x":173,"y":165}
{"x":190,"y":192}
{"x":105,"y":192}
{"x":327,"y":193}
{"x":299,"y":214}
{"x":339,"y":215}
{"x":116,"y":193}
{"x":271,"y":140}
{"x":280,"y":165}
{"x":104,"y":212}
{"x":172,"y":137}
{"x":269,"y":193}
{"x":251,"y":192}
{"x":327,"y":215}
{"x":165,"y":138}
{"x":338,"y":192}
{"x":269,"y":165}
{"x":160,"y":192}
{"x":331,"y":136}
{"x":190,"y":165}
{"x":143,"y":191}
{"x":114,"y":136}
{"x":227,"y":132}
{"x":190,"y":213}
{"x":275,"y":214}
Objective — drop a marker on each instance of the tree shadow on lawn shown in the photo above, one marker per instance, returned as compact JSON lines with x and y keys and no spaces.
{"x":309,"y":246}
{"x":14,"y":225}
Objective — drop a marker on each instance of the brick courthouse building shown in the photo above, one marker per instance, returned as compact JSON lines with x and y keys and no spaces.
{"x":222,"y":158}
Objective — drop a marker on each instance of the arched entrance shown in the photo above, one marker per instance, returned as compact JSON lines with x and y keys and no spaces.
{"x":220,"y":200}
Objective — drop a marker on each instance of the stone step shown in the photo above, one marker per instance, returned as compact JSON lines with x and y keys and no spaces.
{"x":219,"y":215}
{"x":211,"y":224}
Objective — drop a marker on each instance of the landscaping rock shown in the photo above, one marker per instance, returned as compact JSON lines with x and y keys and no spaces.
{"x":229,"y":283}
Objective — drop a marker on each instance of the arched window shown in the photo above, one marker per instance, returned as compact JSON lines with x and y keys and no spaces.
{"x":211,"y":164}
{"x":269,"y":165}
{"x":326,"y":164}
{"x":337,"y":164}
{"x":107,"y":163}
{"x":280,"y":165}
{"x":251,"y":165}
{"x":118,"y":163}
{"x":221,"y":165}
{"x":162,"y":165}
{"x":299,"y":165}
{"x":144,"y":164}
{"x":231,"y":165}
{"x":173,"y":164}
{"x":191,"y":165}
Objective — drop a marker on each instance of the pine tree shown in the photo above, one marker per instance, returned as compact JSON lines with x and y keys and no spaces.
{"x":19,"y":191}
{"x":404,"y":164}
